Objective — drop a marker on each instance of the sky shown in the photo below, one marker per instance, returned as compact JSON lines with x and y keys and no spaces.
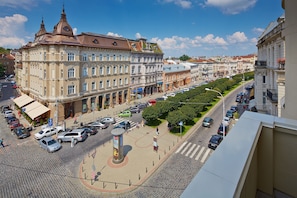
{"x":191,"y":27}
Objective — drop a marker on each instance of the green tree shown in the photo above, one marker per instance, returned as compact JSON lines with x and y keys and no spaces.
{"x":150,"y":113}
{"x":2,"y":70}
{"x":184,"y":58}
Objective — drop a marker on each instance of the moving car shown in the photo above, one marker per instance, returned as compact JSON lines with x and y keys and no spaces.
{"x":215,"y":141}
{"x":98,"y":124}
{"x":126,"y":113}
{"x":109,"y":120}
{"x":21,"y":132}
{"x":48,"y":131}
{"x":124,"y":125}
{"x":78,"y":135}
{"x":207,"y":122}
{"x":49,"y":144}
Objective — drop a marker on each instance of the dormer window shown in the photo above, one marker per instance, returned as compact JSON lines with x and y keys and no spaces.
{"x":66,"y":28}
{"x":95,"y":41}
{"x":114,"y":43}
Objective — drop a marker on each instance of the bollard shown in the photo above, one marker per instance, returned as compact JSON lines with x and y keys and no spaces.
{"x":159,"y":157}
{"x":85,"y":176}
{"x":153,"y":163}
{"x":103,"y":185}
{"x":146,"y":169}
{"x":173,"y":143}
{"x":82,"y":169}
{"x":115,"y":185}
{"x":169,"y":148}
{"x":129,"y":182}
{"x":164,"y":152}
{"x":138,"y":176}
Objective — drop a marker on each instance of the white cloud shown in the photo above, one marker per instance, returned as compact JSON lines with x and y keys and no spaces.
{"x":182,"y":3}
{"x":237,"y":37}
{"x":114,"y":34}
{"x":138,"y":35}
{"x":12,"y":31}
{"x":258,"y":31}
{"x":24,"y":4}
{"x":74,"y":31}
{"x":231,"y":6}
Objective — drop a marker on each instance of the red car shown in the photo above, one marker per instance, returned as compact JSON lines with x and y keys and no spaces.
{"x":14,"y":125}
{"x":14,"y":86}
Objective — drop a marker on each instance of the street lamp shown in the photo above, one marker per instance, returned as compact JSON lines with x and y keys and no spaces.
{"x":207,"y":89}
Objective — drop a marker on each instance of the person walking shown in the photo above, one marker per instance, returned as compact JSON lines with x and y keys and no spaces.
{"x":1,"y":142}
{"x":157,"y":131}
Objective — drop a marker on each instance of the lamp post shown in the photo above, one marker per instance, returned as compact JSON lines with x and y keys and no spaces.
{"x":213,"y":90}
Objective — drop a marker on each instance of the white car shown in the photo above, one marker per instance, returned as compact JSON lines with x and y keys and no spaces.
{"x":170,"y":94}
{"x":101,"y":125}
{"x":110,"y":120}
{"x":49,"y":131}
{"x":8,"y":113}
{"x":226,"y":121}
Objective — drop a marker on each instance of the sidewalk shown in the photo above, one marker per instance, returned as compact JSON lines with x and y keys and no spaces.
{"x":99,"y":173}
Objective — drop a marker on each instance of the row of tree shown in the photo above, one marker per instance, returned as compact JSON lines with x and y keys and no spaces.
{"x":189,"y":105}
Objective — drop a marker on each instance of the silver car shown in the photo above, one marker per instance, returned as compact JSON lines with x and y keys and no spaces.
{"x":49,"y":144}
{"x":110,"y":120}
{"x":78,"y":135}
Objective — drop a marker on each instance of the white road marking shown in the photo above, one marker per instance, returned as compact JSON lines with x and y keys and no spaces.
{"x":194,"y":152}
{"x":181,"y":147}
{"x":200,"y":152}
{"x":205,"y":155}
{"x":190,"y":150}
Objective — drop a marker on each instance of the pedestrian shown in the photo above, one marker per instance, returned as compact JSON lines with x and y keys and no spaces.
{"x":142,"y":123}
{"x":1,"y":142}
{"x":75,"y":121}
{"x":137,"y":125}
{"x":157,"y":131}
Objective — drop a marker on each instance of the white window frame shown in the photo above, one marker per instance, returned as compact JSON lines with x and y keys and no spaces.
{"x":85,"y":87}
{"x":101,"y":85}
{"x":93,"y":86}
{"x":71,"y":56}
{"x":108,"y":83}
{"x":71,"y":89}
{"x":71,"y":73}
{"x":93,"y":71}
{"x":85,"y":71}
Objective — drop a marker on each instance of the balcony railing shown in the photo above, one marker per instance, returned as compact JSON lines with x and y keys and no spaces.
{"x":261,"y":63}
{"x":272,"y":95}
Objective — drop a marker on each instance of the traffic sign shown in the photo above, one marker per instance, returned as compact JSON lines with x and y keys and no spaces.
{"x":50,"y":122}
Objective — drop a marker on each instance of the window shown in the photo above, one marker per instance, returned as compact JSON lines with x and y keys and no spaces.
{"x":44,"y":91}
{"x":120,"y":57}
{"x":71,"y":89}
{"x":93,"y":85}
{"x":85,"y":57}
{"x":139,"y":59}
{"x":121,"y":69}
{"x":100,"y":57}
{"x":264,"y":97}
{"x":138,"y":80}
{"x":93,"y":71}
{"x":107,"y":57}
{"x":85,"y":71}
{"x":126,"y":69}
{"x":108,"y":70}
{"x":108,"y":83}
{"x":101,"y":84}
{"x":133,"y":70}
{"x":62,"y":57}
{"x":70,"y":56}
{"x":44,"y":55}
{"x":85,"y":87}
{"x":62,"y":92}
{"x":120,"y":81}
{"x":44,"y":74}
{"x":126,"y":81}
{"x":114,"y":82}
{"x":132,"y":81}
{"x":101,"y":70}
{"x":93,"y":57}
{"x":71,"y":73}
{"x":114,"y":57}
{"x":114,"y":69}
{"x":62,"y":73}
{"x":264,"y":79}
{"x":139,"y":69}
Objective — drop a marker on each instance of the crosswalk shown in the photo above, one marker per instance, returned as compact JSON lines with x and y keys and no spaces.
{"x":194,"y":151}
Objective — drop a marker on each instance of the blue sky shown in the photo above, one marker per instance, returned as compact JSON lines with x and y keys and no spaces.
{"x":191,"y":27}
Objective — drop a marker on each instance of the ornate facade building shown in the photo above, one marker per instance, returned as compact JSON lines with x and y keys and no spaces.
{"x":73,"y":74}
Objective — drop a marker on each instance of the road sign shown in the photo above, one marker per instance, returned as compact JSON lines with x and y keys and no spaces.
{"x":50,"y":122}
{"x":181,"y":123}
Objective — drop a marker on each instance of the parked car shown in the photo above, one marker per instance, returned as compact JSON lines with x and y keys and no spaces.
{"x":11,"y":119}
{"x":8,"y":113}
{"x":134,"y":110}
{"x":49,"y":144}
{"x":171,"y":94}
{"x":233,"y":108}
{"x":207,"y":122}
{"x":21,"y":132}
{"x":226,"y":121}
{"x":90,"y":130}
{"x":220,"y":129}
{"x":126,"y":113}
{"x":14,"y":125}
{"x":109,"y":120}
{"x":124,"y":125}
{"x":98,"y":124}
{"x":215,"y":141}
{"x":5,"y":108}
{"x":14,"y":86}
{"x":48,"y":131}
{"x":229,"y":114}
{"x":78,"y":135}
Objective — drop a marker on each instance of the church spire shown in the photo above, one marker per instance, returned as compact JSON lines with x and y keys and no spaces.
{"x":63,"y":28}
{"x":42,"y":29}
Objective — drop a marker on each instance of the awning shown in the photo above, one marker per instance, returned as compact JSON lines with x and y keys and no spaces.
{"x":35,"y":109}
{"x":23,"y":100}
{"x":139,"y":90}
{"x":159,"y":82}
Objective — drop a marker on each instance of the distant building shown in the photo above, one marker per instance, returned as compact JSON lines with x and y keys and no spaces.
{"x":175,"y":76}
{"x":7,"y":61}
